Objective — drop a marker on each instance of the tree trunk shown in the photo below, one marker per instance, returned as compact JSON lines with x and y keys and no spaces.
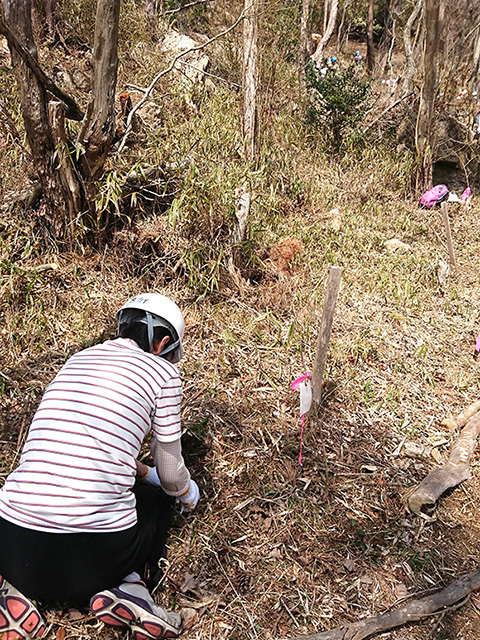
{"x":322,"y":43}
{"x":69,"y":186}
{"x":250,"y":55}
{"x":409,"y":48}
{"x":476,"y":62}
{"x":370,"y":45}
{"x":303,"y":45}
{"x":423,"y":133}
{"x":51,"y":16}
{"x":100,"y":128}
{"x":33,"y":99}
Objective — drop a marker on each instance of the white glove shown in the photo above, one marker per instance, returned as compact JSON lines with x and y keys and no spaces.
{"x":190,"y":499}
{"x":151,"y":477}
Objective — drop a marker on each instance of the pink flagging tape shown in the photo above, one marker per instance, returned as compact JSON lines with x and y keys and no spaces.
{"x":297,"y":385}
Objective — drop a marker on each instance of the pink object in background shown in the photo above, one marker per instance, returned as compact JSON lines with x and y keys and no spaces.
{"x":477,"y":347}
{"x":466,"y":195}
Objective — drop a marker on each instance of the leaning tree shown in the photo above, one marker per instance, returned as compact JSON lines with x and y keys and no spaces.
{"x":68,"y":169}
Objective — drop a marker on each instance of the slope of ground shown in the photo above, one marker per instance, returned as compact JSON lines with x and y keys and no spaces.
{"x":276,"y":549}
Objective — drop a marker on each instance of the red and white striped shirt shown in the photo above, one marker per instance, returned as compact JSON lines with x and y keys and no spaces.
{"x":78,"y":463}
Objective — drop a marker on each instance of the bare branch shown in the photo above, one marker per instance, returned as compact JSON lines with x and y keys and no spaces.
{"x":185,"y":6}
{"x":73,"y":110}
{"x":170,"y":67}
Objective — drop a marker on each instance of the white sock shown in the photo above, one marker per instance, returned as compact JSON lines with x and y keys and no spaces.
{"x":133,"y":577}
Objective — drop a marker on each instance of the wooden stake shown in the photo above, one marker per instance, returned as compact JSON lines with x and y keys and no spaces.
{"x":323,"y":340}
{"x":446,"y":222}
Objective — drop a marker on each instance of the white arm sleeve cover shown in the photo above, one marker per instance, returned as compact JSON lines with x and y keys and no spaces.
{"x":170,"y":466}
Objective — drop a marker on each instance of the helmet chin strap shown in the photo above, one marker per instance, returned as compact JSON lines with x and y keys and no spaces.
{"x":150,"y":330}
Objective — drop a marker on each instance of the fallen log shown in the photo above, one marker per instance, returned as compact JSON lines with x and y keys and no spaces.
{"x":455,"y":471}
{"x":462,"y":418}
{"x":414,"y":611}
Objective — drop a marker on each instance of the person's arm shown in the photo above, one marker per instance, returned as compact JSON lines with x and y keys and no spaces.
{"x":170,"y":466}
{"x":142,"y":470}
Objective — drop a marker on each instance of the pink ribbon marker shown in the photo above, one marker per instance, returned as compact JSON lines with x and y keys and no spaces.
{"x":303,"y":384}
{"x":477,"y":346}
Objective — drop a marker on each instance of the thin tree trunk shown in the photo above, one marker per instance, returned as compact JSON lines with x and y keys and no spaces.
{"x":476,"y":62}
{"x":318,"y":55}
{"x":303,"y":45}
{"x":409,"y":48}
{"x":51,"y":16}
{"x":423,"y":132}
{"x":250,"y":55}
{"x":100,"y":128}
{"x":370,"y":44}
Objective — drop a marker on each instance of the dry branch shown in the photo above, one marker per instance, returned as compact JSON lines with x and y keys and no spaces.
{"x":462,"y":418}
{"x":456,"y":470}
{"x":170,"y":67}
{"x":414,"y":611}
{"x":73,"y":111}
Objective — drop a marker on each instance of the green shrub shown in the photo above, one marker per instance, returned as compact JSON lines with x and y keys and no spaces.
{"x":337,"y":102}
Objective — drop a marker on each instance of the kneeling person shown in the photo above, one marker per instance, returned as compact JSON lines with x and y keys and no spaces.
{"x":81,"y":519}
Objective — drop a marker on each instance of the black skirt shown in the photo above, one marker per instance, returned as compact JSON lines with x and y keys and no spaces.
{"x":72,"y":567}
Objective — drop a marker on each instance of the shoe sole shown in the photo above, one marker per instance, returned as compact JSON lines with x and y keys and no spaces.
{"x":121,"y":609}
{"x":19,"y":618}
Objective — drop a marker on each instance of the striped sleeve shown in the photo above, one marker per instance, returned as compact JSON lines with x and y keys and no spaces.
{"x":166,"y":423}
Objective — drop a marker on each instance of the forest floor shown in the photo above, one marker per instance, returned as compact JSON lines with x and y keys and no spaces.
{"x":275,"y":549}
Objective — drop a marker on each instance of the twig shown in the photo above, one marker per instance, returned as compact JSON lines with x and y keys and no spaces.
{"x":211,"y":75}
{"x":291,"y":616}
{"x":185,"y":6}
{"x":170,"y":67}
{"x":235,"y":592}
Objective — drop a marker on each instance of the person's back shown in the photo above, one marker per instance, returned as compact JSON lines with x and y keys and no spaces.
{"x":85,"y":437}
{"x":81,"y":518}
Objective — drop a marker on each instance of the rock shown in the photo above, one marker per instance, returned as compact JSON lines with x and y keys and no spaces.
{"x":80,"y":80}
{"x":443,"y":270}
{"x":415,"y":449}
{"x":397,"y":246}
{"x":336,"y":218}
{"x":63,"y":79}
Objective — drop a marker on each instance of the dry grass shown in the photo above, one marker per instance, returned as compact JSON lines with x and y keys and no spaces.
{"x":275,"y":549}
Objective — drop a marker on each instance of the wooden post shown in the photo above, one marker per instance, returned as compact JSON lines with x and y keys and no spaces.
{"x":323,"y":340}
{"x":446,"y":222}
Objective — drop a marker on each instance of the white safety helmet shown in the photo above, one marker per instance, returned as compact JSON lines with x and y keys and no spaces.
{"x":160,"y":311}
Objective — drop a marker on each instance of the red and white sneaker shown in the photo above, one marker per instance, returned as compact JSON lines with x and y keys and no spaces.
{"x":19,"y":618}
{"x":130,"y":604}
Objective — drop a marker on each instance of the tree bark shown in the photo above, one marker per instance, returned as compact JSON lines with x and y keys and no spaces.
{"x":322,"y":43}
{"x":303,"y":45}
{"x":409,"y":48}
{"x":476,"y":62}
{"x":423,"y":133}
{"x":250,"y":55}
{"x":100,"y":129}
{"x":370,"y":44}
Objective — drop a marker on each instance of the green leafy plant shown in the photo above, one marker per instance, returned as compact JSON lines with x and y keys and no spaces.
{"x":337,"y":103}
